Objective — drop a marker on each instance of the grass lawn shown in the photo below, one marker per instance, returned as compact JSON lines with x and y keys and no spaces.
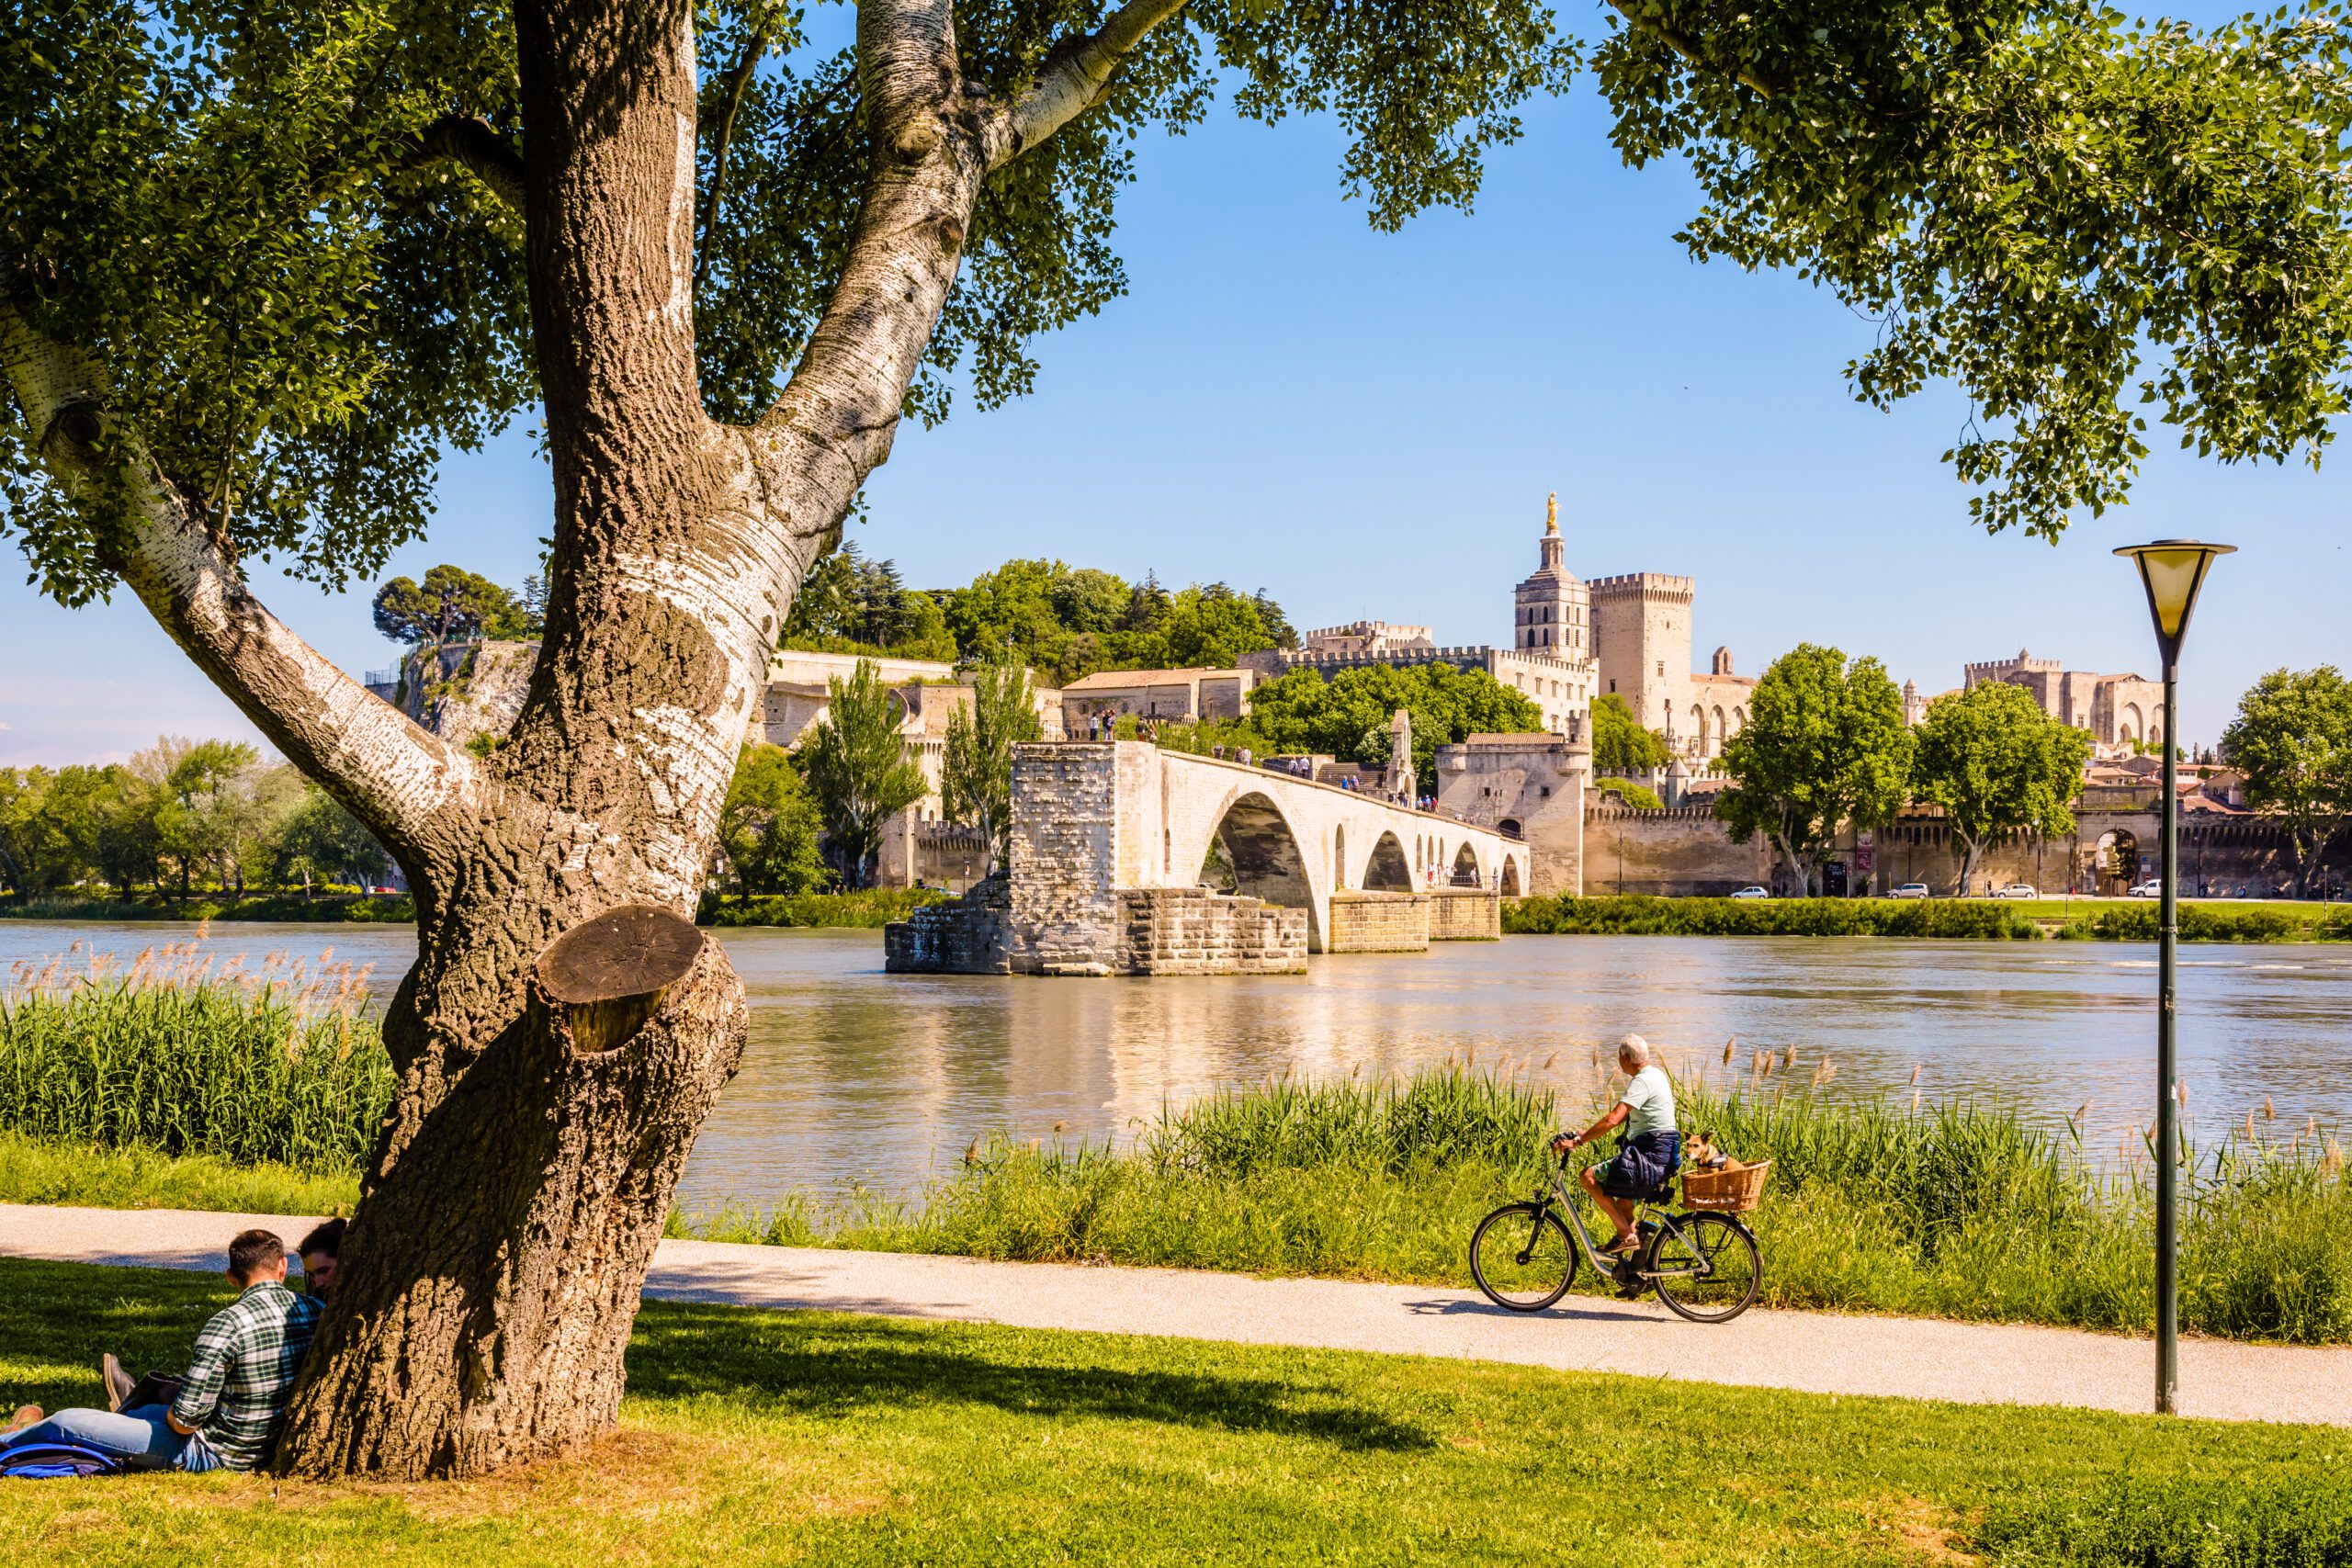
{"x":757,"y":1437}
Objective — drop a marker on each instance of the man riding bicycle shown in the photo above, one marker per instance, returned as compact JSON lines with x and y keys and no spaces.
{"x":1650,"y":1152}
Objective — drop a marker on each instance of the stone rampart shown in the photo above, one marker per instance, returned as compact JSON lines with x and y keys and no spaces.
{"x":1679,"y":850}
{"x":1380,"y":922}
{"x":1687,"y":849}
{"x":1463,"y":913}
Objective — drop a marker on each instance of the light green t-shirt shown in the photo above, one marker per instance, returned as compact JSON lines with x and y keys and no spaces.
{"x":1649,"y":1102}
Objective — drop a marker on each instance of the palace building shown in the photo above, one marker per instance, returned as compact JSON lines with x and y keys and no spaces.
{"x":1571,"y":640}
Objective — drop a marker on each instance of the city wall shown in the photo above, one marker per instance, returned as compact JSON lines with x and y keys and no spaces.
{"x":1687,"y":851}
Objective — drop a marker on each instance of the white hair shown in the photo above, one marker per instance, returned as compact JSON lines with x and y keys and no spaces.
{"x":1633,"y":1049}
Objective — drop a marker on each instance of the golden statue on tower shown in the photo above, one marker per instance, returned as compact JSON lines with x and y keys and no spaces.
{"x":1552,"y":514}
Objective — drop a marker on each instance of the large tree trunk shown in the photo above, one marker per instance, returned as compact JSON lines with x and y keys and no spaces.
{"x":493,"y":1271}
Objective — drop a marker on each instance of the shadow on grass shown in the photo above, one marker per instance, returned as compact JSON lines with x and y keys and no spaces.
{"x":56,"y":1319}
{"x":831,"y":1367}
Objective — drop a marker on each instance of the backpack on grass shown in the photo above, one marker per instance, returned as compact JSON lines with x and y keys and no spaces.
{"x":55,"y":1461}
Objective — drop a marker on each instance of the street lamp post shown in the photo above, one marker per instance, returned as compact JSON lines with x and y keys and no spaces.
{"x":2172,"y":570}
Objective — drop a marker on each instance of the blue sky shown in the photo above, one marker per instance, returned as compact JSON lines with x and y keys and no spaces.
{"x":1367,"y":425}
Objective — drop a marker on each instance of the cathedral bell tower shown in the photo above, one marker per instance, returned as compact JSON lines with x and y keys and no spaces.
{"x":1554,"y":609}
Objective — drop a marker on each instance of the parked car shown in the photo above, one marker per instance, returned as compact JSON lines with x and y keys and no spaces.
{"x":2019,"y":890}
{"x":2146,"y":890}
{"x":1751,"y":893}
{"x":1910,"y":890}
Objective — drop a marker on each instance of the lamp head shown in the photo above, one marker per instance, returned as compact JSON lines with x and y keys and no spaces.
{"x":2172,"y":570}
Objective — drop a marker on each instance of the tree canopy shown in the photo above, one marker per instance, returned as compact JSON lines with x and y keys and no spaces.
{"x":976,"y":761}
{"x":1348,"y":714}
{"x":1825,"y":749}
{"x":1995,"y":763}
{"x":2291,"y":738}
{"x":770,"y":828}
{"x":858,"y":770}
{"x":451,"y":604}
{"x":287,"y":224}
{"x":1620,"y":745}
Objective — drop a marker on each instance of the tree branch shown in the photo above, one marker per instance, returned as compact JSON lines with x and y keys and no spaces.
{"x":471,"y":142}
{"x":399,"y":779}
{"x":1683,"y":45}
{"x":737,"y":79}
{"x":1076,"y":77}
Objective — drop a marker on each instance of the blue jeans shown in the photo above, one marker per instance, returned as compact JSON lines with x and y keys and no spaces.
{"x":141,"y":1438}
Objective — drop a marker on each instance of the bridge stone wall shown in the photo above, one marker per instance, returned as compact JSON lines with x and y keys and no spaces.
{"x":1463,"y":914}
{"x":1161,"y":930}
{"x":1380,"y":922}
{"x":1189,"y":931}
{"x":1064,"y":860}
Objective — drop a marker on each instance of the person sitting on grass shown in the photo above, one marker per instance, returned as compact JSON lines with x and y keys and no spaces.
{"x":230,"y":1405}
{"x":319,"y":1252}
{"x":1649,"y":1152}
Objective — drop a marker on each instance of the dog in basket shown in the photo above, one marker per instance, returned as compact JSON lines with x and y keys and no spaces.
{"x":1704,"y":1154}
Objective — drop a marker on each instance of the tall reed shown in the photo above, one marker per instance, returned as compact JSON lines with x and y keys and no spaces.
{"x":183,"y":1054}
{"x":1955,"y":1210}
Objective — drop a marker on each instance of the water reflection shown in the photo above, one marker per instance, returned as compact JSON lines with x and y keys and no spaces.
{"x":853,"y":1076}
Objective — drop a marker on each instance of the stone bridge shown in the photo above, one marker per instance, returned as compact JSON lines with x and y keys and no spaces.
{"x":1112,"y":872}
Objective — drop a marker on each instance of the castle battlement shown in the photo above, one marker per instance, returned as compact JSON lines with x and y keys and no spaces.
{"x":1646,"y":584}
{"x":1372,"y":628}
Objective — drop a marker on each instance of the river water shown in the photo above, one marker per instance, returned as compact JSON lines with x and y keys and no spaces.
{"x":855,"y":1077}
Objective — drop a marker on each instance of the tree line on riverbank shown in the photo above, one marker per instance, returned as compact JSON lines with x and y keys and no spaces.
{"x":224,"y":1084}
{"x":1828,"y":750}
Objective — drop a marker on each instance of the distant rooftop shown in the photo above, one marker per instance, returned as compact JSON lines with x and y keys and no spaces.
{"x":1112,"y":680}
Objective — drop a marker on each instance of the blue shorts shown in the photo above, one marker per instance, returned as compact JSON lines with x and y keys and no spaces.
{"x":1645,"y":1162}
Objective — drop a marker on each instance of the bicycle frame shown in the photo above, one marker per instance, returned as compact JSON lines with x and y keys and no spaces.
{"x":1607,"y":1267}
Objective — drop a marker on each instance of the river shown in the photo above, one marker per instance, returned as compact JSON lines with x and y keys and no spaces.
{"x":855,"y":1077}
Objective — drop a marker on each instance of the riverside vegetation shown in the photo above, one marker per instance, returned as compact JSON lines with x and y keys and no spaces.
{"x":2108,"y":920}
{"x":183,"y":1084}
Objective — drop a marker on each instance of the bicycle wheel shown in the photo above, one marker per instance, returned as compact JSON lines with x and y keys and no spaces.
{"x":1709,"y":1272}
{"x":1521,"y":1257}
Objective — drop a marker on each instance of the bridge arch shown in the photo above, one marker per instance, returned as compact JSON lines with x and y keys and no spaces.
{"x":1465,"y":867}
{"x":1268,"y":857}
{"x":1385,"y":869}
{"x":1512,"y":887}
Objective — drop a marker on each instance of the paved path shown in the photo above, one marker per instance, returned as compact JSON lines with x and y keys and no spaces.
{"x":1820,"y":1352}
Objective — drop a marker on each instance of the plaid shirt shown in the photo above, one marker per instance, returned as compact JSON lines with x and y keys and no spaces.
{"x":244,"y":1370}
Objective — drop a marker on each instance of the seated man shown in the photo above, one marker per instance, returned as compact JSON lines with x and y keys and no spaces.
{"x":228,"y":1406}
{"x":1649,"y":1153}
{"x":319,"y":1252}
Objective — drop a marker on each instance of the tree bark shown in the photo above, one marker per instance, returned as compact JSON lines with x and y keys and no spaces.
{"x":493,"y":1267}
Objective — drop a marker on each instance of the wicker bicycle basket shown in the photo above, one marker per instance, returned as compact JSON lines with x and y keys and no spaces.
{"x":1726,"y":1192}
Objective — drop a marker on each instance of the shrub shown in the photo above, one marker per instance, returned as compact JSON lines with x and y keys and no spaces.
{"x":869,"y":909}
{"x":1643,"y":916}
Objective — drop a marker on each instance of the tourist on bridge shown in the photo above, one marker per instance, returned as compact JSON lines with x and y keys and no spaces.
{"x":1650,"y":1151}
